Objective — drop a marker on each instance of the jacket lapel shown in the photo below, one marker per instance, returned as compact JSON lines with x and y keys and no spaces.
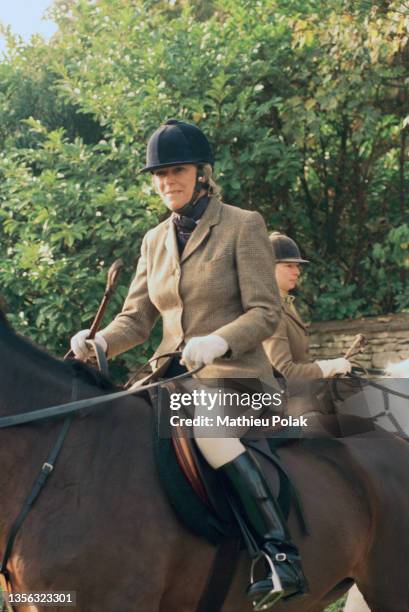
{"x":210,"y":217}
{"x":171,"y":242}
{"x":294,"y":315}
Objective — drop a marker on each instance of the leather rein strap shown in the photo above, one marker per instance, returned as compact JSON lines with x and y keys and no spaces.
{"x":92,"y":402}
{"x":101,"y":357}
{"x":225,"y":561}
{"x":69,"y":408}
{"x":376,"y":385}
{"x":37,"y":487}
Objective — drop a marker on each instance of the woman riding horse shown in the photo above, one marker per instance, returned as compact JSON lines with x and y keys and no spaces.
{"x":207,"y":271}
{"x":86,"y":524}
{"x":288,"y":347}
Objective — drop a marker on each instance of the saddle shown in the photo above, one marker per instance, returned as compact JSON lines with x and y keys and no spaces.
{"x":197,"y":492}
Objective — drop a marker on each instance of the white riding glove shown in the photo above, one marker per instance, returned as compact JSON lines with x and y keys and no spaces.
{"x":203,"y":350}
{"x":82,"y":349}
{"x":330,"y":367}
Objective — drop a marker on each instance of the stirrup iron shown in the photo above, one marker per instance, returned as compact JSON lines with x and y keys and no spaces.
{"x":277,"y":591}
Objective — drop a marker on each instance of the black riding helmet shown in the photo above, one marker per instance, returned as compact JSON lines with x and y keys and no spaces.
{"x":285,"y":249}
{"x":176,"y":142}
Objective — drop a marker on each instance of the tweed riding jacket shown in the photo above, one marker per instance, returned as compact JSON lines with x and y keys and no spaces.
{"x":288,"y":347}
{"x":223,"y":284}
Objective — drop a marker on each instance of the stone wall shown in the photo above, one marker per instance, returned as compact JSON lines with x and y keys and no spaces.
{"x":387,"y":339}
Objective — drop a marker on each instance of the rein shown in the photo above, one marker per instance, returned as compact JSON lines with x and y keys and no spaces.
{"x":355,"y":376}
{"x":386,"y":392}
{"x":215,"y":591}
{"x":76,"y":406}
{"x":69,"y":408}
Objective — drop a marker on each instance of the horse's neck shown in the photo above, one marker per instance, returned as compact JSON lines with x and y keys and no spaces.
{"x":27,"y":383}
{"x":118,"y":434}
{"x":106,"y":464}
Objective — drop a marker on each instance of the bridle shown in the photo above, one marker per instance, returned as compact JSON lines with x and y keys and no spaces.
{"x":68,"y":410}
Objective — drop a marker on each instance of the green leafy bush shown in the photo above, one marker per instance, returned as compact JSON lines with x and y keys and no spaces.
{"x":305,"y":104}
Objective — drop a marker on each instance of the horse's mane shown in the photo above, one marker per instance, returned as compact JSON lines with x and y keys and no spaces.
{"x":37,"y":355}
{"x":90,"y":375}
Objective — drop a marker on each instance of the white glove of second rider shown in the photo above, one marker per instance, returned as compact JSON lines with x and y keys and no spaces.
{"x":82,"y":349}
{"x":203,"y":350}
{"x":330,"y":367}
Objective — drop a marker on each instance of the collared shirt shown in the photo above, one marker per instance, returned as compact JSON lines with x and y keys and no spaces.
{"x":186,"y":224}
{"x":287,"y":298}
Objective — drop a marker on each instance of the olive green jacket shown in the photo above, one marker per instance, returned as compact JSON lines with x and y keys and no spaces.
{"x":223,"y":284}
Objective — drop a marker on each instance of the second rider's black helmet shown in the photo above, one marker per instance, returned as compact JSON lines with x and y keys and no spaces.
{"x":176,"y":142}
{"x":285,"y":249}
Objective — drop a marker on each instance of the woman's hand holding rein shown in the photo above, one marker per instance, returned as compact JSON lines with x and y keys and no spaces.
{"x":82,"y":349}
{"x":203,"y":350}
{"x":331,"y":367}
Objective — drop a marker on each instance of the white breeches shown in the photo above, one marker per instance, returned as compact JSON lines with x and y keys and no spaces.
{"x":218,"y":443}
{"x":218,"y":451}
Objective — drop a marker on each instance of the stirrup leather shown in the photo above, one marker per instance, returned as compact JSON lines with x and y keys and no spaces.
{"x":277,"y":591}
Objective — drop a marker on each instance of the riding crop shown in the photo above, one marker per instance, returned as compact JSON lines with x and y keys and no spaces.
{"x":357,"y":346}
{"x":112,"y":280}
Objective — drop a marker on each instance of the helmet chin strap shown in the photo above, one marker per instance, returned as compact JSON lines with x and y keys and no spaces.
{"x":199,"y":185}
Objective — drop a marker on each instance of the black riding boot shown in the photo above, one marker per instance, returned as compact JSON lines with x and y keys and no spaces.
{"x":264,"y":517}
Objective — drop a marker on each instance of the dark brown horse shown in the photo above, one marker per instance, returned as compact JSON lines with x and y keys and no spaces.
{"x":103,"y":527}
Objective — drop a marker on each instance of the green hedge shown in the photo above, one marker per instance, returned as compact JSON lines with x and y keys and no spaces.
{"x":305,"y":103}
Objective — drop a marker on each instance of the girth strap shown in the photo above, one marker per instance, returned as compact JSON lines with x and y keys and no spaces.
{"x":221,"y":576}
